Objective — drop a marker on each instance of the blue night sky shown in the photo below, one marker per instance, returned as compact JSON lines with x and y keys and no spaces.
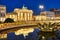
{"x":30,"y":4}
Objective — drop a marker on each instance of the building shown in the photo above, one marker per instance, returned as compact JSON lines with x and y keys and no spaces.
{"x":24,"y":14}
{"x":49,"y":15}
{"x":12,"y":16}
{"x":45,"y":15}
{"x":57,"y":14}
{"x":21,"y":14}
{"x":39,"y":17}
{"x":2,"y":19}
{"x":2,"y":12}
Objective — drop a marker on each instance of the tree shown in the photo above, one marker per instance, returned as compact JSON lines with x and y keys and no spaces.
{"x":8,"y":20}
{"x":1,"y":22}
{"x":49,"y":26}
{"x":58,"y":34}
{"x":53,"y":9}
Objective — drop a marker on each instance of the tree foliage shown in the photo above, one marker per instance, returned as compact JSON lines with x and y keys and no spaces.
{"x":8,"y":20}
{"x":53,"y":9}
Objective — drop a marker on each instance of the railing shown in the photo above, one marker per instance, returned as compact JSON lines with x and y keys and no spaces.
{"x":12,"y":25}
{"x":15,"y":24}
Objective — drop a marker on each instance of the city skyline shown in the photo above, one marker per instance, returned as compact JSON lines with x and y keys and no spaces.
{"x":30,"y":4}
{"x":29,"y":19}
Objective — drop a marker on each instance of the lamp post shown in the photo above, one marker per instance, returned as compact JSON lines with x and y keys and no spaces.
{"x":41,"y":7}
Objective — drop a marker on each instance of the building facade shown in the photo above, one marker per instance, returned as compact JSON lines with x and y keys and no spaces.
{"x":24,"y":14}
{"x":57,"y":14}
{"x":49,"y":15}
{"x":12,"y":16}
{"x":2,"y":12}
{"x":39,"y":18}
{"x":21,"y":14}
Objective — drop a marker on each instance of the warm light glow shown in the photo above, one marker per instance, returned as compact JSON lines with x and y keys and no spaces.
{"x":24,"y":31}
{"x":3,"y":35}
{"x":43,"y":37}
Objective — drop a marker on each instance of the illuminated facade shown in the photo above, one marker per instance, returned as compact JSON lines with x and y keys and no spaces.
{"x":39,"y":17}
{"x":57,"y":14}
{"x":49,"y":15}
{"x":12,"y":16}
{"x":2,"y":12}
{"x":27,"y":15}
{"x":21,"y":14}
{"x":24,"y":14}
{"x":46,"y":15}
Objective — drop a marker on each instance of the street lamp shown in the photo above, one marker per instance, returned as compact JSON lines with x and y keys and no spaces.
{"x":41,"y":7}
